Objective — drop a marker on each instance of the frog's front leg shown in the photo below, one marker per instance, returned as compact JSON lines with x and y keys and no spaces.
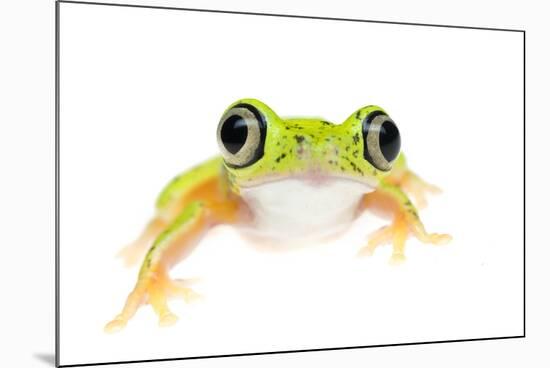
{"x":390,"y":198}
{"x":135,"y":250}
{"x":154,"y":285}
{"x":417,"y":187}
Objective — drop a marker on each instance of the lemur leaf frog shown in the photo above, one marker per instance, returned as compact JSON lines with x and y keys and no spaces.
{"x":283,"y":179}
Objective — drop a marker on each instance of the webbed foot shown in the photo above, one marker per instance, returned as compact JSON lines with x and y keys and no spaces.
{"x":396,"y":233}
{"x":154,"y":288}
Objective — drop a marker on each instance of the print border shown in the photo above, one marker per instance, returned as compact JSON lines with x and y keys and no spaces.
{"x":57,"y":186}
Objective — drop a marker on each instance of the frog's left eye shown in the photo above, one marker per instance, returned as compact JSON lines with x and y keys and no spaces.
{"x":382,"y":141}
{"x":241,"y":135}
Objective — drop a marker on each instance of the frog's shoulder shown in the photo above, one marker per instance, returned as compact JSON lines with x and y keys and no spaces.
{"x":185,"y":182}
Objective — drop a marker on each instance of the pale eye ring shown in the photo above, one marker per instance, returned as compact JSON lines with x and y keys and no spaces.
{"x":241,"y":135}
{"x":382,"y":141}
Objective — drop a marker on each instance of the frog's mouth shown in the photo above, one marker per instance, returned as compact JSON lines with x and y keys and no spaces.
{"x":313,"y":179}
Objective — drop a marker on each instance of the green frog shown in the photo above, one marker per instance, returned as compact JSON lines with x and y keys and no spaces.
{"x":287,"y":180}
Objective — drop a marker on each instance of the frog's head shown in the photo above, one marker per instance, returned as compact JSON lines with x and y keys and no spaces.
{"x":259,"y":147}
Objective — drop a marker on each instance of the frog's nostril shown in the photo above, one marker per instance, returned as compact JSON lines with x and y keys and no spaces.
{"x":299,"y":138}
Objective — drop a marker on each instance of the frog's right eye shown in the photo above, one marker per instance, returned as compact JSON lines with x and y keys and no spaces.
{"x":382,"y":140}
{"x":241,"y":135}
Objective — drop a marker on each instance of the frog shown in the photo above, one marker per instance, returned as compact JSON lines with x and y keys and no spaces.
{"x":281,"y":179}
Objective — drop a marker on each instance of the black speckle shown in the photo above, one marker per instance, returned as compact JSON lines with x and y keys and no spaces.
{"x":356,"y":138}
{"x":287,"y":128}
{"x":324,"y":122}
{"x":283,"y":155}
{"x":299,"y":138}
{"x":342,"y":168}
{"x":327,"y":139}
{"x":356,"y":168}
{"x":347,"y":148}
{"x":358,"y":115}
{"x":355,"y":153}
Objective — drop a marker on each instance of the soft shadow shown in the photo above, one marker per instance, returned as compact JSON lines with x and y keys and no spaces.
{"x":46,"y":358}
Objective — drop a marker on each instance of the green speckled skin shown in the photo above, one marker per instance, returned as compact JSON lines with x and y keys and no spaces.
{"x":299,"y":146}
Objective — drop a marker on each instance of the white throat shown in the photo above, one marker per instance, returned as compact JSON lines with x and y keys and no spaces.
{"x":295,"y":208}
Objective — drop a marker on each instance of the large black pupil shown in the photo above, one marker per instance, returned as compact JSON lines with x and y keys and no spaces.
{"x":390,"y":140}
{"x":234,"y":133}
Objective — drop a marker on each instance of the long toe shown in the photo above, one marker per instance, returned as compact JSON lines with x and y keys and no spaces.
{"x":115,"y":326}
{"x":169,"y":319}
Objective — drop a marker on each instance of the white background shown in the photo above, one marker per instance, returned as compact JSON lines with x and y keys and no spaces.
{"x":29,"y":276}
{"x":141,"y":96}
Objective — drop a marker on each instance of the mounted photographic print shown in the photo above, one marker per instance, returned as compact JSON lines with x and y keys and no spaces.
{"x":235,"y":183}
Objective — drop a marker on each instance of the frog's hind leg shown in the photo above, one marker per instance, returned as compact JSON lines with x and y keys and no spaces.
{"x":417,"y":188}
{"x":411,"y":183}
